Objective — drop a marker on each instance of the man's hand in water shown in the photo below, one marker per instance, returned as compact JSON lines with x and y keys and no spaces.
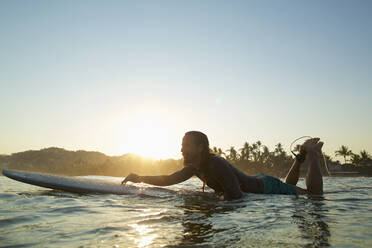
{"x":132,"y":178}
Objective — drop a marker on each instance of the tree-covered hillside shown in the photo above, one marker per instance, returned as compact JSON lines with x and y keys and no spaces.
{"x":252,"y":158}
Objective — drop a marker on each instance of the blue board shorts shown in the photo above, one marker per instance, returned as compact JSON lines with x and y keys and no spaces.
{"x":274,"y":186}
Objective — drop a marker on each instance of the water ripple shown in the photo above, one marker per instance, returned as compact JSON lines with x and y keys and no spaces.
{"x":184,"y":217}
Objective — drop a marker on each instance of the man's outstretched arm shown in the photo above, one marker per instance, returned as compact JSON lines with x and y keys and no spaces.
{"x":163,"y":180}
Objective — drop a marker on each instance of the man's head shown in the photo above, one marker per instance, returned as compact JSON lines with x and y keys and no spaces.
{"x":195,"y":147}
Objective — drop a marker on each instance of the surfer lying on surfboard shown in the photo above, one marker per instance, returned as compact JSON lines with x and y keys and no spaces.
{"x":230,"y":182}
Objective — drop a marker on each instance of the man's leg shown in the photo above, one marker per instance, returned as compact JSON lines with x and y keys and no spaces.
{"x":314,"y":179}
{"x":294,"y":172}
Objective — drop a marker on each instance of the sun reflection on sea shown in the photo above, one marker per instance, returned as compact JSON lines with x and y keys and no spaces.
{"x":143,"y":238}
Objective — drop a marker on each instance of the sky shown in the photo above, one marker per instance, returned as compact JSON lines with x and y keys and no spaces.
{"x":133,"y":76}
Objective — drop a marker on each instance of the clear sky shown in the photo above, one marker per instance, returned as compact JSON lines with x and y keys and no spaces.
{"x":134,"y":76}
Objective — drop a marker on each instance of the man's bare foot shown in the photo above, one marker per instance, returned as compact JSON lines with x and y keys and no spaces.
{"x":312,"y":147}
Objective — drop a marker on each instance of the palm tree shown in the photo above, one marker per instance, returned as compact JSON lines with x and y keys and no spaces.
{"x":327,"y":158}
{"x":355,"y":159}
{"x":220,"y":152}
{"x":344,"y":152}
{"x":254,"y":151}
{"x":215,"y":150}
{"x":259,"y":144}
{"x":245,"y":152}
{"x":265,"y":156}
{"x":279,"y":156}
{"x":279,"y":149}
{"x":364,"y":155}
{"x":233,"y":155}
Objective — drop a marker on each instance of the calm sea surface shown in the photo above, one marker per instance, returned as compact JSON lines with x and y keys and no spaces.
{"x":182,"y":216}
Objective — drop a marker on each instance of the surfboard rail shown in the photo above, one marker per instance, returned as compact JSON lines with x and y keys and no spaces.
{"x":71,"y":184}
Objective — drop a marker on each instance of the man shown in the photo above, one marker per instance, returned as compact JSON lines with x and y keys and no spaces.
{"x":230,"y":182}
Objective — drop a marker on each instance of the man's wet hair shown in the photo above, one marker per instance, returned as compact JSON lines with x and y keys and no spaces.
{"x":199,"y":138}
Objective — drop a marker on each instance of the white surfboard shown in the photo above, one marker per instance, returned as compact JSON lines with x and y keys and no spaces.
{"x":101,"y":185}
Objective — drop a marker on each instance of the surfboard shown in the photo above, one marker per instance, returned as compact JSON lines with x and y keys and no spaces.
{"x":82,"y":185}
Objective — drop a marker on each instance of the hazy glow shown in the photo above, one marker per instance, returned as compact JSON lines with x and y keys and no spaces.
{"x":148,"y":135}
{"x":74,"y":74}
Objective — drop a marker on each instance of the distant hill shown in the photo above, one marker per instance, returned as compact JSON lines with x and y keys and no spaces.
{"x":60,"y":161}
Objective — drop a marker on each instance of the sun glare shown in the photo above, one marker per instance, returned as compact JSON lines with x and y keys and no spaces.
{"x":144,"y":239}
{"x":149,"y":136}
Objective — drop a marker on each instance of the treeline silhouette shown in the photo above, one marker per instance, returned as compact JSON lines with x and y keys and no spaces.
{"x":257,"y":158}
{"x":252,"y":158}
{"x":60,"y":161}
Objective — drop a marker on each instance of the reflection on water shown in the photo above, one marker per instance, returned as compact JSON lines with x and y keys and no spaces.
{"x":199,"y":223}
{"x":205,"y":219}
{"x":196,"y":223}
{"x":310,"y":217}
{"x":144,"y":236}
{"x":184,"y":219}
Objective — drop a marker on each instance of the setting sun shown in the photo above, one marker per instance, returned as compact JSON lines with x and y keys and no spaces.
{"x":149,"y":136}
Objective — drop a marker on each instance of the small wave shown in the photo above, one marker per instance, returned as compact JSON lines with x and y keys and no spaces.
{"x":71,"y":210}
{"x":162,"y":219}
{"x":107,"y":230}
{"x":183,"y":217}
{"x":349,"y":199}
{"x":5,"y":245}
{"x":7,"y":196}
{"x":6,"y":222}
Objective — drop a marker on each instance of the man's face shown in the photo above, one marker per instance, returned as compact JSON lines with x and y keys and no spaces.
{"x":190,"y":151}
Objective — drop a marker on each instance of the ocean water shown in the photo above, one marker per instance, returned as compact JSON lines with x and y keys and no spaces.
{"x":183,"y":216}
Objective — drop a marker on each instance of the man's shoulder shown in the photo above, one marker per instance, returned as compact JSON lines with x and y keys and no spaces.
{"x":216,"y":160}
